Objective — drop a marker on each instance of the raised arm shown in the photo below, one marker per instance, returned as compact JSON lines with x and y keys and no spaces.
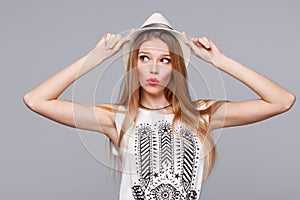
{"x":44,"y":98}
{"x":273,"y":100}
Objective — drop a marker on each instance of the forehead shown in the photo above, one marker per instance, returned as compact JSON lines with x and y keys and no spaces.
{"x":156,"y":45}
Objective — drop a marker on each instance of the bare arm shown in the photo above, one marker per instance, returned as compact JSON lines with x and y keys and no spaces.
{"x":273,"y":100}
{"x":44,"y":98}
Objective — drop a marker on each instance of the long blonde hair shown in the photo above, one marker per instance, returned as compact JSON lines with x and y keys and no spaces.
{"x":177,"y":92}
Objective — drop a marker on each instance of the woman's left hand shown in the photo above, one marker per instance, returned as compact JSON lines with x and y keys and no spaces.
{"x":203,"y":48}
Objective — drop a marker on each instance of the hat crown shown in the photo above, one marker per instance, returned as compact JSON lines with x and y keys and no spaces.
{"x":157,"y":18}
{"x":156,"y":21}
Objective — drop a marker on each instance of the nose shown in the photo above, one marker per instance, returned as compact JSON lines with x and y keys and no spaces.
{"x":154,"y":68}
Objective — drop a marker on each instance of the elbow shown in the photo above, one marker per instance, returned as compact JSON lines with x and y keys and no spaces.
{"x":290,"y":101}
{"x":28,"y":101}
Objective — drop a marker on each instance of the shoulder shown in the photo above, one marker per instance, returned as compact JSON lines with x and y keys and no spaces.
{"x":210,"y":107}
{"x":202,"y":104}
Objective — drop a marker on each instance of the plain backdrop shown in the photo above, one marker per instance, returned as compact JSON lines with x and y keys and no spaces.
{"x":42,"y":159}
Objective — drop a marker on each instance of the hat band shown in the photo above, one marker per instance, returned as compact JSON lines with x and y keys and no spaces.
{"x":160,"y":25}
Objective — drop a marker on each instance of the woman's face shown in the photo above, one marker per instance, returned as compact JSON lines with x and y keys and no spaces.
{"x":154,"y":66}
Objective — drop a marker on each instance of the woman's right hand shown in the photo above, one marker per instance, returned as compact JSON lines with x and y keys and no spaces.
{"x":109,"y":45}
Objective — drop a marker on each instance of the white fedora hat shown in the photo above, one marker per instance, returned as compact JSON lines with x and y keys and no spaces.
{"x":156,"y":22}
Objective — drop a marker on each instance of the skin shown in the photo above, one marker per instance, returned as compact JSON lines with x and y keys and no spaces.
{"x":273,"y":99}
{"x":154,"y":61}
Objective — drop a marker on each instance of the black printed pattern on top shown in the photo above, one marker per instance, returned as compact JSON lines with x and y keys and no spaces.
{"x":166,"y":162}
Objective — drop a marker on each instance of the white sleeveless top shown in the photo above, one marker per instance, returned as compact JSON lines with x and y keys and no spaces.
{"x":159,"y":162}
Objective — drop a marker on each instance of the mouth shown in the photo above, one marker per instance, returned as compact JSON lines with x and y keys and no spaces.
{"x":152,"y":81}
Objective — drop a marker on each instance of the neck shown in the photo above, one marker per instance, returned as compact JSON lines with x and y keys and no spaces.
{"x":154,"y":102}
{"x":158,"y":108}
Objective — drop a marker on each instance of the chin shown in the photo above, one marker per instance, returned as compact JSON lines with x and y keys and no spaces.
{"x":153,"y":89}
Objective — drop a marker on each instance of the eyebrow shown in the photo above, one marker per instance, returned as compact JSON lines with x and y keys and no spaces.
{"x":145,"y":52}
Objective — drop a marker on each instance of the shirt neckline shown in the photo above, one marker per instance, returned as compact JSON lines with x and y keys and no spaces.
{"x":155,"y":112}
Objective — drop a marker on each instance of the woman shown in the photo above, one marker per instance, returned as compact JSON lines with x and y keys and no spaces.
{"x":163,"y":136}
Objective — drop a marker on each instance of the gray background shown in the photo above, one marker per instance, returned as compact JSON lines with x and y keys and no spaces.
{"x":41,"y":159}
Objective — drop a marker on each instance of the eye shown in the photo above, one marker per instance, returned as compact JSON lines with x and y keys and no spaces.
{"x":143,"y":58}
{"x":166,"y":60}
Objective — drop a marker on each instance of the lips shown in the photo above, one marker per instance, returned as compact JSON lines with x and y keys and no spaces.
{"x":152,"y":81}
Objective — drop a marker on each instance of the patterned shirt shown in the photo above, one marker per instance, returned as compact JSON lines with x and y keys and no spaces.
{"x":159,"y":162}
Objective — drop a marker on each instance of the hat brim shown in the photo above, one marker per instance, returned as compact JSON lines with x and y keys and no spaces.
{"x":126,"y":48}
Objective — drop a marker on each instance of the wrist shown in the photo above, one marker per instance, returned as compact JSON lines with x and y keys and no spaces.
{"x":95,"y":57}
{"x":219,"y":60}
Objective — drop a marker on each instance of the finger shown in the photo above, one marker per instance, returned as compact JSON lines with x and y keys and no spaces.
{"x":207,"y":42}
{"x":211,"y":44}
{"x":114,"y":41}
{"x":128,"y":36}
{"x":121,"y":40}
{"x":200,"y":43}
{"x":196,"y":42}
{"x":185,"y":36}
{"x":130,"y":32}
{"x":189,"y":42}
{"x":111,"y":41}
{"x":206,"y":39}
{"x":106,"y":38}
{"x":192,"y":45}
{"x":204,"y":43}
{"x":101,"y":41}
{"x":120,"y":43}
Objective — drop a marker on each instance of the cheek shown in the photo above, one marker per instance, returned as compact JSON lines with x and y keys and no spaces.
{"x":167,"y":76}
{"x":141,"y":74}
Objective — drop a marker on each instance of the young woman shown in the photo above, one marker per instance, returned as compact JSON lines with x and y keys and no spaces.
{"x":162,"y":136}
